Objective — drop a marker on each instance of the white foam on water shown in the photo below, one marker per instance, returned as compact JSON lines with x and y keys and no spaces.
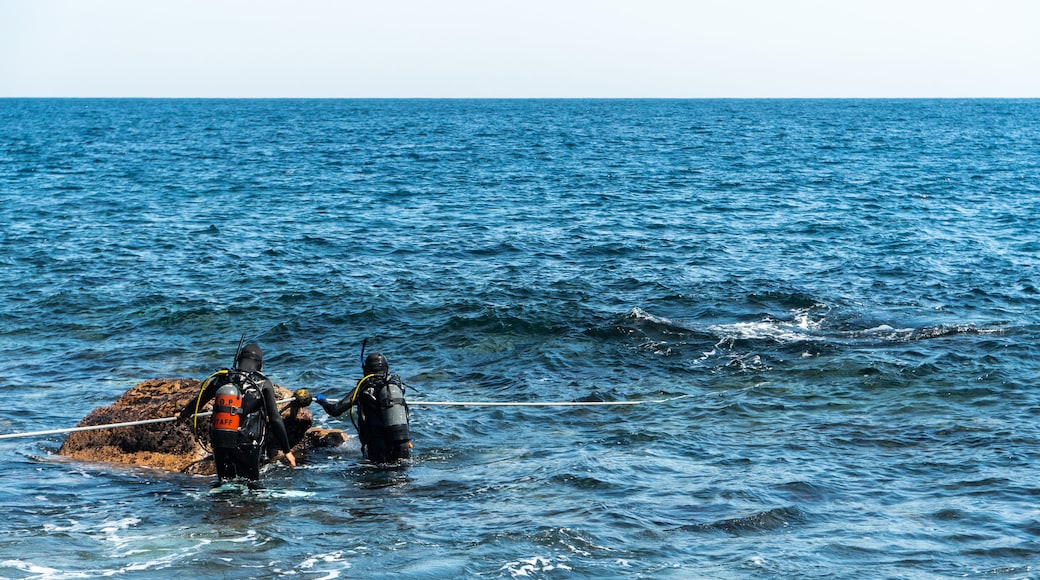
{"x":321,"y":560}
{"x":40,"y":572}
{"x":641,"y":314}
{"x":289,"y":493}
{"x":106,"y":528}
{"x":801,"y":327}
{"x":531,"y":566}
{"x":111,"y":532}
{"x":232,"y":490}
{"x":803,"y":320}
{"x":774,"y":330}
{"x":885,"y":331}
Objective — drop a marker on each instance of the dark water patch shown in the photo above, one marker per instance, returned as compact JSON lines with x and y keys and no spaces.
{"x":778,"y":300}
{"x":1023,"y":553}
{"x":767,"y":521}
{"x":802,"y":492}
{"x":981,"y":486}
{"x":584,"y":483}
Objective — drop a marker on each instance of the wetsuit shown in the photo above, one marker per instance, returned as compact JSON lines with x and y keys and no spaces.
{"x":259,"y":411}
{"x":379,"y":443}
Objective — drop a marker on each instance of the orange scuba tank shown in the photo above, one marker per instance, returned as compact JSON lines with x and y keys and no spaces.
{"x":227,"y":416}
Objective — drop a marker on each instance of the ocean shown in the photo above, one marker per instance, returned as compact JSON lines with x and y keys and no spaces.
{"x":817,"y":321}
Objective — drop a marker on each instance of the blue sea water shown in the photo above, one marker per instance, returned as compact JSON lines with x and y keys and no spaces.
{"x":829,"y":309}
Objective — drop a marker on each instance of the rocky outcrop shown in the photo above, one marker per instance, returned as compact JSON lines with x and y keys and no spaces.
{"x":174,"y":445}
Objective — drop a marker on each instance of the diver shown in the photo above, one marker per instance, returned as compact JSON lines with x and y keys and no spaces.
{"x":382,"y":413}
{"x":245,"y":408}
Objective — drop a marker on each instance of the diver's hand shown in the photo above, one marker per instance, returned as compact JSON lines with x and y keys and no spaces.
{"x":289,"y":457}
{"x":320,"y":398}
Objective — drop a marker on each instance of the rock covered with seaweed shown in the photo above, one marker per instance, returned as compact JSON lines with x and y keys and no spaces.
{"x":174,"y":445}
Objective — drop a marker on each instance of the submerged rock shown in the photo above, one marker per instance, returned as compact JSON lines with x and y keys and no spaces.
{"x":173,"y":445}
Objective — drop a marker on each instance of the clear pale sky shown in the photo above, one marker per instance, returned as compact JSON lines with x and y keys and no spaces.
{"x":519,"y":48}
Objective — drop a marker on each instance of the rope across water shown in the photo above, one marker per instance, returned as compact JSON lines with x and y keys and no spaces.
{"x":544,"y":404}
{"x":107,"y":426}
{"x":413,"y":403}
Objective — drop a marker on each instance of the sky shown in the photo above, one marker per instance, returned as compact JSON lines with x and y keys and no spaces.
{"x":520,"y":48}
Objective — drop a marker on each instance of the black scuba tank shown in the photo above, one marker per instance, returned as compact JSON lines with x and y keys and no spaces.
{"x":394,"y":412}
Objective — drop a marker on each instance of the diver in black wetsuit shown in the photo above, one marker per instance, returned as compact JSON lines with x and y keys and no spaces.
{"x":245,"y":407}
{"x":382,"y":422}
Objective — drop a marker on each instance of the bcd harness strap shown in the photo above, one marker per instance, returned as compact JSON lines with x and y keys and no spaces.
{"x":228,"y":409}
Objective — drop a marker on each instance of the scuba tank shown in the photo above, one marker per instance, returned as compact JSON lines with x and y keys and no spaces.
{"x":394,"y":412}
{"x":227,"y":416}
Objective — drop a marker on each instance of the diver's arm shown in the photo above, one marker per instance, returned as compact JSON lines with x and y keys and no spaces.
{"x":277,"y":425}
{"x":337,"y":409}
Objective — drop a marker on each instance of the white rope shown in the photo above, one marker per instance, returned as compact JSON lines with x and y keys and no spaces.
{"x":416,"y":403}
{"x":87,"y":428}
{"x":545,"y":403}
{"x":526,"y":404}
{"x":110,"y":425}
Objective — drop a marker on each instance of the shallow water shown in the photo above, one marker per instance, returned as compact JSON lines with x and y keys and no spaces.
{"x":834,"y":304}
